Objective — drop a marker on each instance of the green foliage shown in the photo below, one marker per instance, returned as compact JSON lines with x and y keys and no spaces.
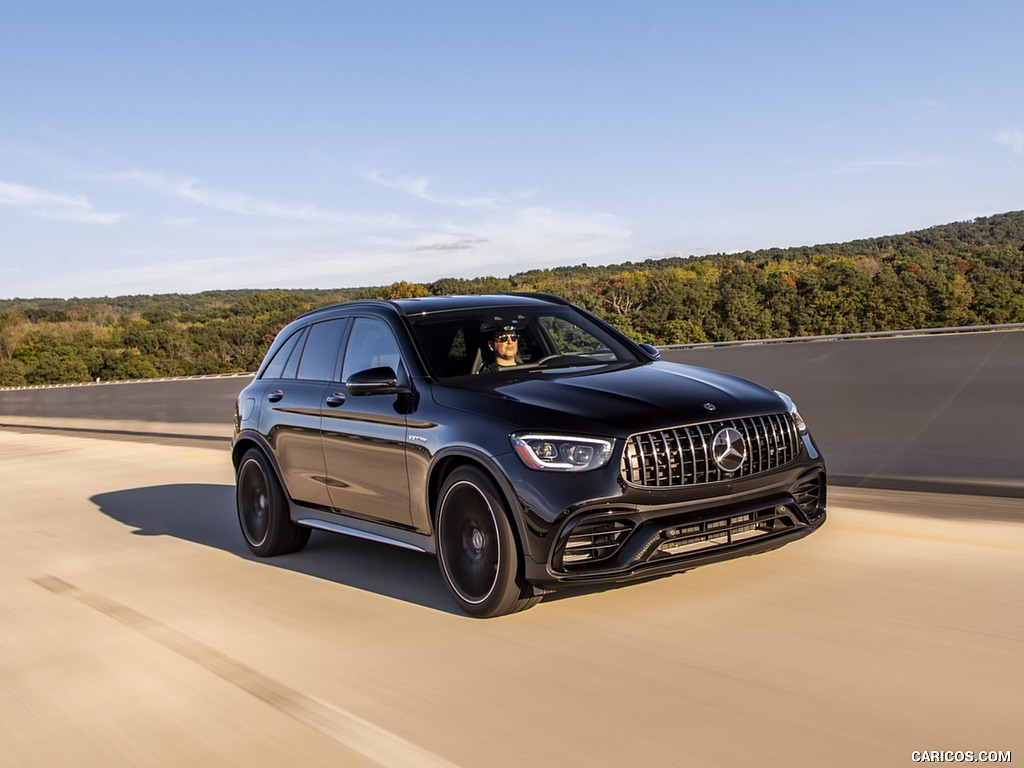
{"x":399,"y":290}
{"x":12,"y":373}
{"x":13,"y":327}
{"x":965,"y":273}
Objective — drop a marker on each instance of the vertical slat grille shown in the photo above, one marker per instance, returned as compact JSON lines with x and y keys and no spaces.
{"x":685,"y":455}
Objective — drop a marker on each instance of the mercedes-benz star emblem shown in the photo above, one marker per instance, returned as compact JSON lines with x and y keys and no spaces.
{"x":728,"y":449}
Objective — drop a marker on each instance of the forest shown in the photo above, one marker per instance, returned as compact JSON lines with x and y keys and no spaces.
{"x":960,"y":274}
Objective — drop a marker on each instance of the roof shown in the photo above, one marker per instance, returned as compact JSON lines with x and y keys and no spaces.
{"x":428,"y":304}
{"x":473,"y":301}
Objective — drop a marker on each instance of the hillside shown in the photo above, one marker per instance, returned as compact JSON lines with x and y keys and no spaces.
{"x":959,"y":274}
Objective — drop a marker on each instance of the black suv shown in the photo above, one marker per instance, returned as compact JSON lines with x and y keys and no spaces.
{"x":523,"y":441}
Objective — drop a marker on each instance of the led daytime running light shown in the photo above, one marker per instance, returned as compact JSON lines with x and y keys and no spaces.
{"x":561,"y":453}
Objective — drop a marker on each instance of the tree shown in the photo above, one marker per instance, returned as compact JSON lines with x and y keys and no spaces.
{"x":58,"y":365}
{"x":13,"y":327}
{"x":741,"y":305}
{"x":12,"y":373}
{"x":404,"y":290}
{"x":963,"y":273}
{"x":126,"y":364}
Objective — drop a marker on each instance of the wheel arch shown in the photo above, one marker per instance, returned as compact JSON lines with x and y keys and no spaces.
{"x":247,"y":440}
{"x":452,"y":459}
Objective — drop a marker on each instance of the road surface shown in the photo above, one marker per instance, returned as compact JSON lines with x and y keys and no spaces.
{"x":136,"y":630}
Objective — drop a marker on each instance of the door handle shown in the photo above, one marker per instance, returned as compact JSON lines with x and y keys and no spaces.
{"x":276,"y":396}
{"x":333,"y":401}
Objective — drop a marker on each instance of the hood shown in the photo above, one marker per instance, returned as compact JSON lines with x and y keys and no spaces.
{"x":611,"y":401}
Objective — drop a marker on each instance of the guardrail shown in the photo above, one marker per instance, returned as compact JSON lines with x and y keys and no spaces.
{"x":103,"y":382}
{"x":842,"y":336}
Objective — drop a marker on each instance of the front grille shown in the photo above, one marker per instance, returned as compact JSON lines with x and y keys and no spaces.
{"x":684,"y":456}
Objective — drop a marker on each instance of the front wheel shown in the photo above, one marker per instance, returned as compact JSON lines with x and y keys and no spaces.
{"x":263,"y":509}
{"x":476,"y":550}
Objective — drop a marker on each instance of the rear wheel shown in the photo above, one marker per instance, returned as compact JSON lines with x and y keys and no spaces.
{"x":476,"y":549}
{"x":263,"y":509}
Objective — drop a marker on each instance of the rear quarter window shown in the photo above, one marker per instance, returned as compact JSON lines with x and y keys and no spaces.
{"x":275,"y":368}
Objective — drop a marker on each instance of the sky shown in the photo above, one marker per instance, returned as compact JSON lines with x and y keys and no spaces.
{"x":157,"y":147}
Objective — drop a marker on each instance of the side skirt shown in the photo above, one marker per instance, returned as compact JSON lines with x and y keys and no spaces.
{"x":361,"y":529}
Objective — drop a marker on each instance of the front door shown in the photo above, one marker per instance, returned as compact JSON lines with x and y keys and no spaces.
{"x":364,"y":436}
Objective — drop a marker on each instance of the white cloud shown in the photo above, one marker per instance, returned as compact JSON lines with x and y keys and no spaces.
{"x":493,"y":231}
{"x":497,"y":233}
{"x":53,"y":205}
{"x":537,"y":236}
{"x":80,"y":217}
{"x":1012,"y":139}
{"x":515,"y":241}
{"x":863,"y":166}
{"x":304,"y":244}
{"x":419,"y":188}
{"x":930,"y":107}
{"x":190,"y":190}
{"x":416,"y":186}
{"x":184,"y":222}
{"x":451,"y":245}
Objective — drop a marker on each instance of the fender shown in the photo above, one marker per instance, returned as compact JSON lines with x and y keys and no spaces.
{"x":248,"y":438}
{"x":485,"y":462}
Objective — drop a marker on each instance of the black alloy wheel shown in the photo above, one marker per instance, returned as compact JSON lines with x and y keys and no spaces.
{"x":477,"y":551}
{"x":263,"y":510}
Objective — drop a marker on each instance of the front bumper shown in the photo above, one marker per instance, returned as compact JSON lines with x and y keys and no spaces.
{"x":619,"y":542}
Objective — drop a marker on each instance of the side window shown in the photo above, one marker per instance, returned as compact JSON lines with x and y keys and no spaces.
{"x":320,"y":355}
{"x":292,"y":367}
{"x":370,"y":345}
{"x":569,"y":338}
{"x":275,"y":368}
{"x":448,"y":345}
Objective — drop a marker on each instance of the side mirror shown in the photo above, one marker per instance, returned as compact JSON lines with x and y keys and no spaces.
{"x":375,"y":381}
{"x":651,"y":351}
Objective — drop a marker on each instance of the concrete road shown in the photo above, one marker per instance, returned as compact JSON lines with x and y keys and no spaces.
{"x":135,"y":630}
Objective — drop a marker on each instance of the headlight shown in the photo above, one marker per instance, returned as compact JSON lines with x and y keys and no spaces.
{"x":560,"y":453}
{"x":801,"y":425}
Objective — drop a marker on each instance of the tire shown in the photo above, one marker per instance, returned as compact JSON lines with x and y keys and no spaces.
{"x":263,"y":509}
{"x":476,"y":550}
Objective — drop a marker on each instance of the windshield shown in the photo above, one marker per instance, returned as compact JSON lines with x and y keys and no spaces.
{"x":498,"y":341}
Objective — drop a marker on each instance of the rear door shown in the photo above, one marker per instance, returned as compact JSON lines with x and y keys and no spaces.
{"x":292,"y":412}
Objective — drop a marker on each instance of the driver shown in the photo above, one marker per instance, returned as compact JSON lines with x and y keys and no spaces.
{"x":504,"y":343}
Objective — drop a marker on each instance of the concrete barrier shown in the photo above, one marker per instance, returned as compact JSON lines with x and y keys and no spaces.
{"x":930,"y":412}
{"x":196,"y":406}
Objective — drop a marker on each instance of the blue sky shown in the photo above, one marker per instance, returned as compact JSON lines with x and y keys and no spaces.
{"x":153,"y":147}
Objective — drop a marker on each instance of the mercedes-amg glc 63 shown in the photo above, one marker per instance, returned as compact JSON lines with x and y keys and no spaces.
{"x":523,"y":441}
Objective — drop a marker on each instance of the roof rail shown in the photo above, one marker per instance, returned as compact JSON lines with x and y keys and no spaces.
{"x":534,"y":295}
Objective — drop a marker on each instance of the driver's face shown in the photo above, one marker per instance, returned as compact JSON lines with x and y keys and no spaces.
{"x":505,"y":346}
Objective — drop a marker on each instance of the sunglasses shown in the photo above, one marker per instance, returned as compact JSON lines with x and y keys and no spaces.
{"x":507,"y":337}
